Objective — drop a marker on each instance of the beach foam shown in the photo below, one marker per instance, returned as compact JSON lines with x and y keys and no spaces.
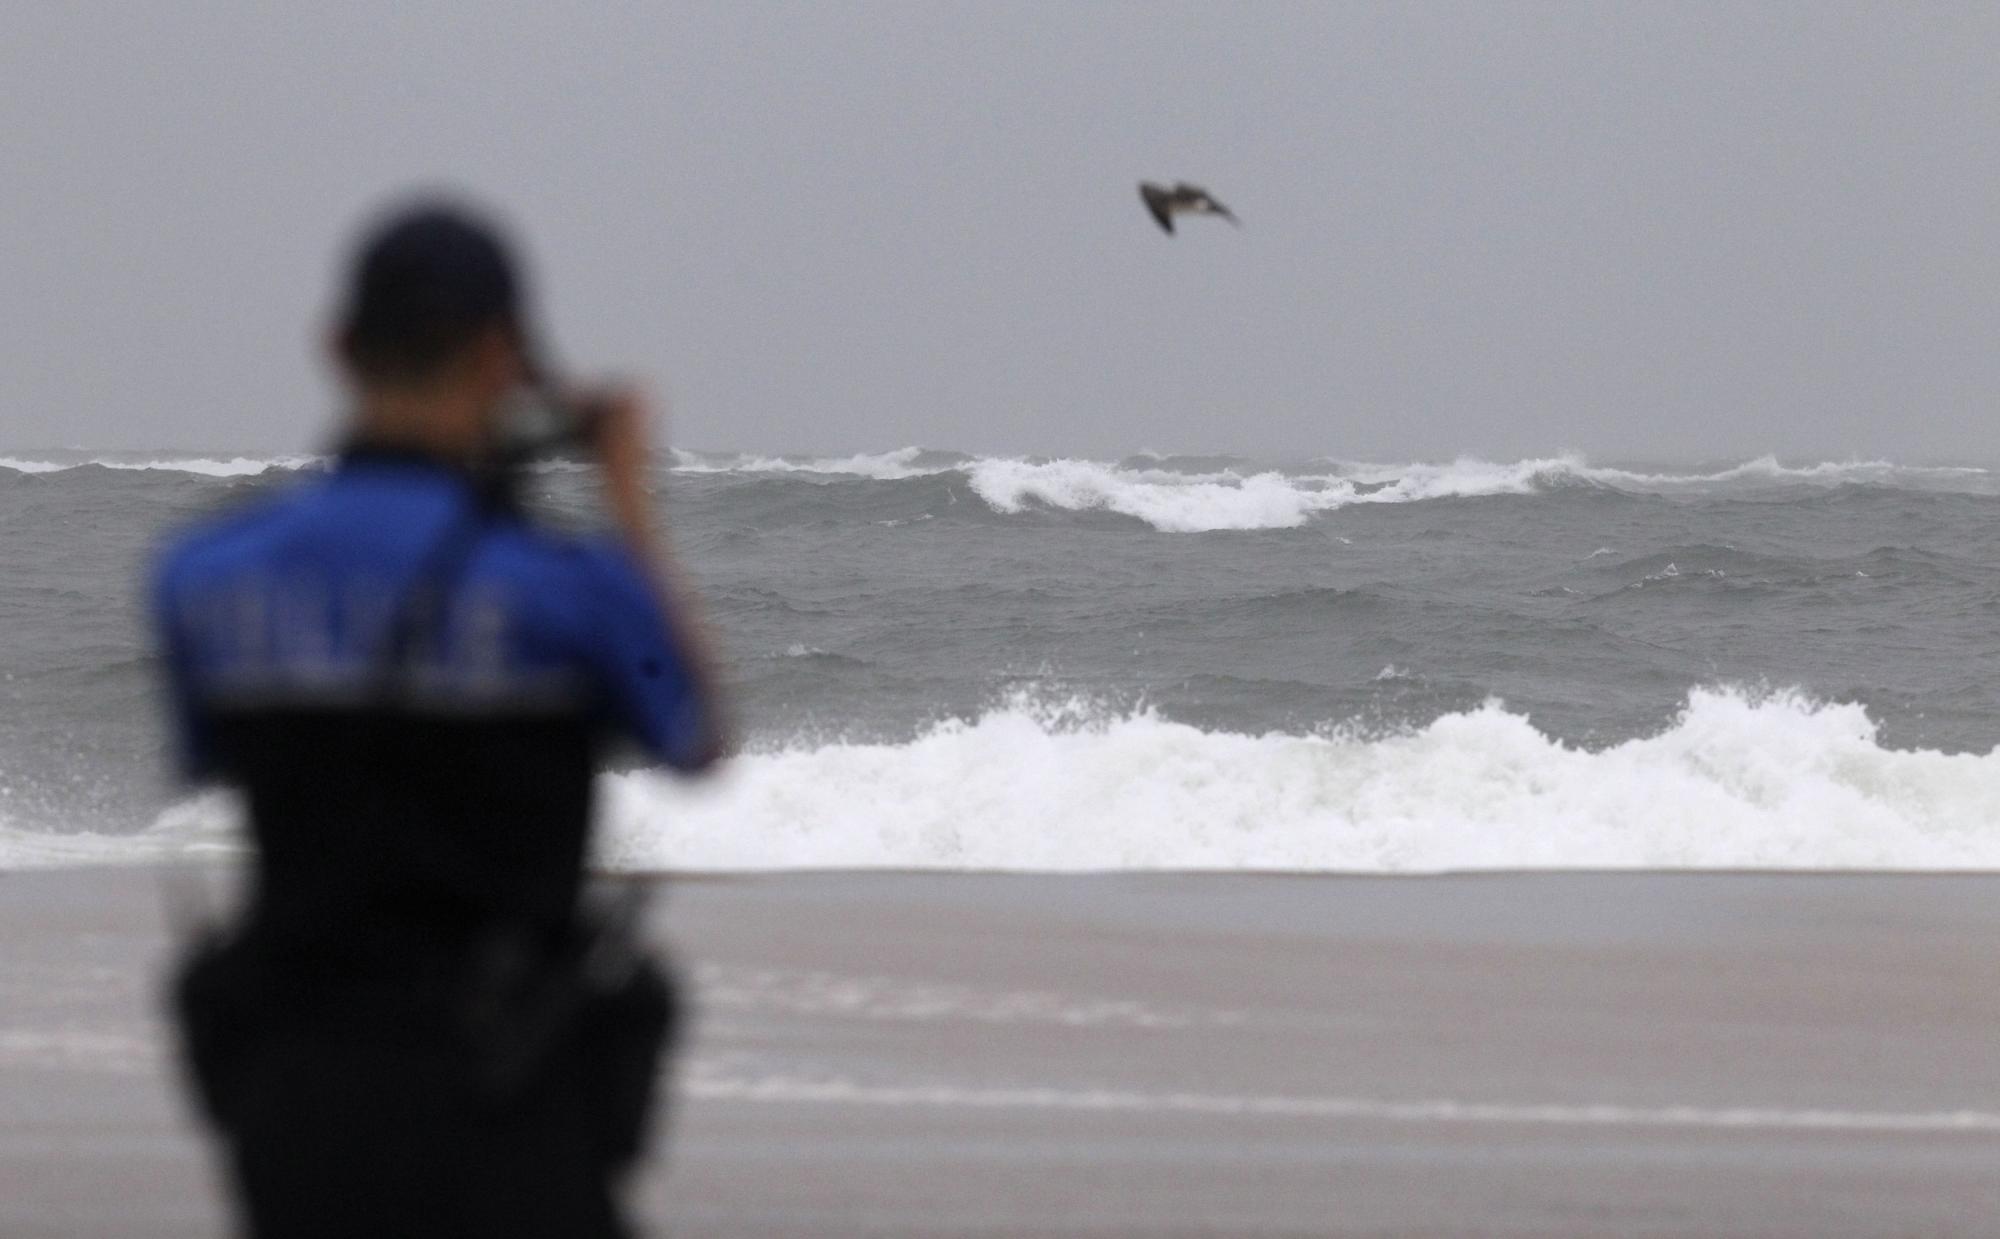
{"x":199,"y":827}
{"x":1740,"y":780}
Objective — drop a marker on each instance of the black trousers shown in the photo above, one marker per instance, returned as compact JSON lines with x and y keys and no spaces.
{"x":345,"y":1139}
{"x":392,"y":1108}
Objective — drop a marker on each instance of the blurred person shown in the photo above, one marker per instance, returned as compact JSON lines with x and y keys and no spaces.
{"x":415,"y":1026}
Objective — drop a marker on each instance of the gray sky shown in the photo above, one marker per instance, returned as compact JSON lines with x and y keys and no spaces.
{"x":1659,"y":231}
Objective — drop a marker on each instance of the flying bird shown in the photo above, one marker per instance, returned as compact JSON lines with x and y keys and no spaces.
{"x":1182,"y":199}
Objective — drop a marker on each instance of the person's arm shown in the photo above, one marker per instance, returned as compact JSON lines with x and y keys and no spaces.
{"x":623,"y":450}
{"x":193,"y":733}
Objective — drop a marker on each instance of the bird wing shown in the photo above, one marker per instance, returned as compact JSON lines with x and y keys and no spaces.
{"x":1156,"y":200}
{"x":1196,"y":198}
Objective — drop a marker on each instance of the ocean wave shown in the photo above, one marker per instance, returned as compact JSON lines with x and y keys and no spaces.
{"x":1739,"y":780}
{"x":1168,"y":501}
{"x":205,"y":825}
{"x":1187,"y":494}
{"x":234,"y":466}
{"x":1193,"y":495}
{"x":893,"y":466}
{"x":1176,"y":495}
{"x":1174,"y":501}
{"x":1825,"y":473}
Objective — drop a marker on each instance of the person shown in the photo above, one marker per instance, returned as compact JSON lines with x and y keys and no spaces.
{"x":415,"y":1026}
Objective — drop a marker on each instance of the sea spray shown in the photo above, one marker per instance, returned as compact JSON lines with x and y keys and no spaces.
{"x":1739,"y":780}
{"x":859,"y":607}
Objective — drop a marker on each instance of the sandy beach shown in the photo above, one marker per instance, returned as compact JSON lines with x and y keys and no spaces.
{"x":905,"y":1055}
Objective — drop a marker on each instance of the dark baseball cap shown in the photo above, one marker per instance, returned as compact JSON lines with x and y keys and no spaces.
{"x":426,"y":279}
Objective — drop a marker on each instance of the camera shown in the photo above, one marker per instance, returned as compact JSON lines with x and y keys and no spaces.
{"x":539,"y":423}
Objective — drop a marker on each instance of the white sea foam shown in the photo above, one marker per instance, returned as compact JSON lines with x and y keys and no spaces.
{"x":1740,"y":780}
{"x":1464,"y":478}
{"x":234,"y":466}
{"x":1239,"y":498}
{"x":200,"y":826}
{"x":1467,"y":477}
{"x":1167,"y":500}
{"x":877,"y":466}
{"x":1184,"y":501}
{"x":1825,"y":473}
{"x":717,"y":1080}
{"x":1273,"y":499}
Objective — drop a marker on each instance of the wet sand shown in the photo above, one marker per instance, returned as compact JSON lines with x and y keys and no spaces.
{"x":911,"y":1055}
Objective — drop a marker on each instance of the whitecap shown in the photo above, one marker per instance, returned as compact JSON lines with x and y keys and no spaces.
{"x":234,"y":466}
{"x":1740,"y":779}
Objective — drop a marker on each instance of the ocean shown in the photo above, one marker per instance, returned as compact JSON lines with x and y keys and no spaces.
{"x":948,"y":661}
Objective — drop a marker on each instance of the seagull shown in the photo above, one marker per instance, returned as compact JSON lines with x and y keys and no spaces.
{"x":1182,"y":199}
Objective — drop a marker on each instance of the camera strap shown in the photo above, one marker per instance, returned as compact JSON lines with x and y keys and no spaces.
{"x":420,"y":615}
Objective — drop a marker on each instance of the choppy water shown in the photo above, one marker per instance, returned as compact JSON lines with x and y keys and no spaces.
{"x":946,"y":660}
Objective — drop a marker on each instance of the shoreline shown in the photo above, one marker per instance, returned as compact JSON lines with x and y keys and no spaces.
{"x":212,"y":863}
{"x":905,"y":1054}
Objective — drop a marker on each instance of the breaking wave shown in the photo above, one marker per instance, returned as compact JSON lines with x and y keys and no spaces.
{"x":234,"y":466}
{"x":1829,"y":473}
{"x":1739,"y":780}
{"x":1177,"y":502}
{"x":1172,"y":497}
{"x":908,"y":462}
{"x":202,"y":826}
{"x":1186,"y":495}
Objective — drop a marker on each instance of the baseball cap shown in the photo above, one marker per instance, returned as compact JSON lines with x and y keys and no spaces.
{"x":425,"y":280}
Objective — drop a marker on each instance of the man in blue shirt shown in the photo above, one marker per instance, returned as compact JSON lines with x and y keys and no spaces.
{"x":414,"y":1030}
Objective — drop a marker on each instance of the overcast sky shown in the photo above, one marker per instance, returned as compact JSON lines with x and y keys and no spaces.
{"x":1647,"y":231}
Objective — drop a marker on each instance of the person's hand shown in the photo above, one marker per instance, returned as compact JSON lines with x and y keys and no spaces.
{"x":621,"y":430}
{"x":620,"y":433}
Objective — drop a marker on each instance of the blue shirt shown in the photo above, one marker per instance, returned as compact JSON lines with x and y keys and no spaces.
{"x":295,"y":601}
{"x":413,"y":686}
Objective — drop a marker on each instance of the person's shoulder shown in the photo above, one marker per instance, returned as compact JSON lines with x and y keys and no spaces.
{"x":571,"y":581}
{"x":574,"y":582}
{"x":221,"y":539}
{"x":574,"y":558}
